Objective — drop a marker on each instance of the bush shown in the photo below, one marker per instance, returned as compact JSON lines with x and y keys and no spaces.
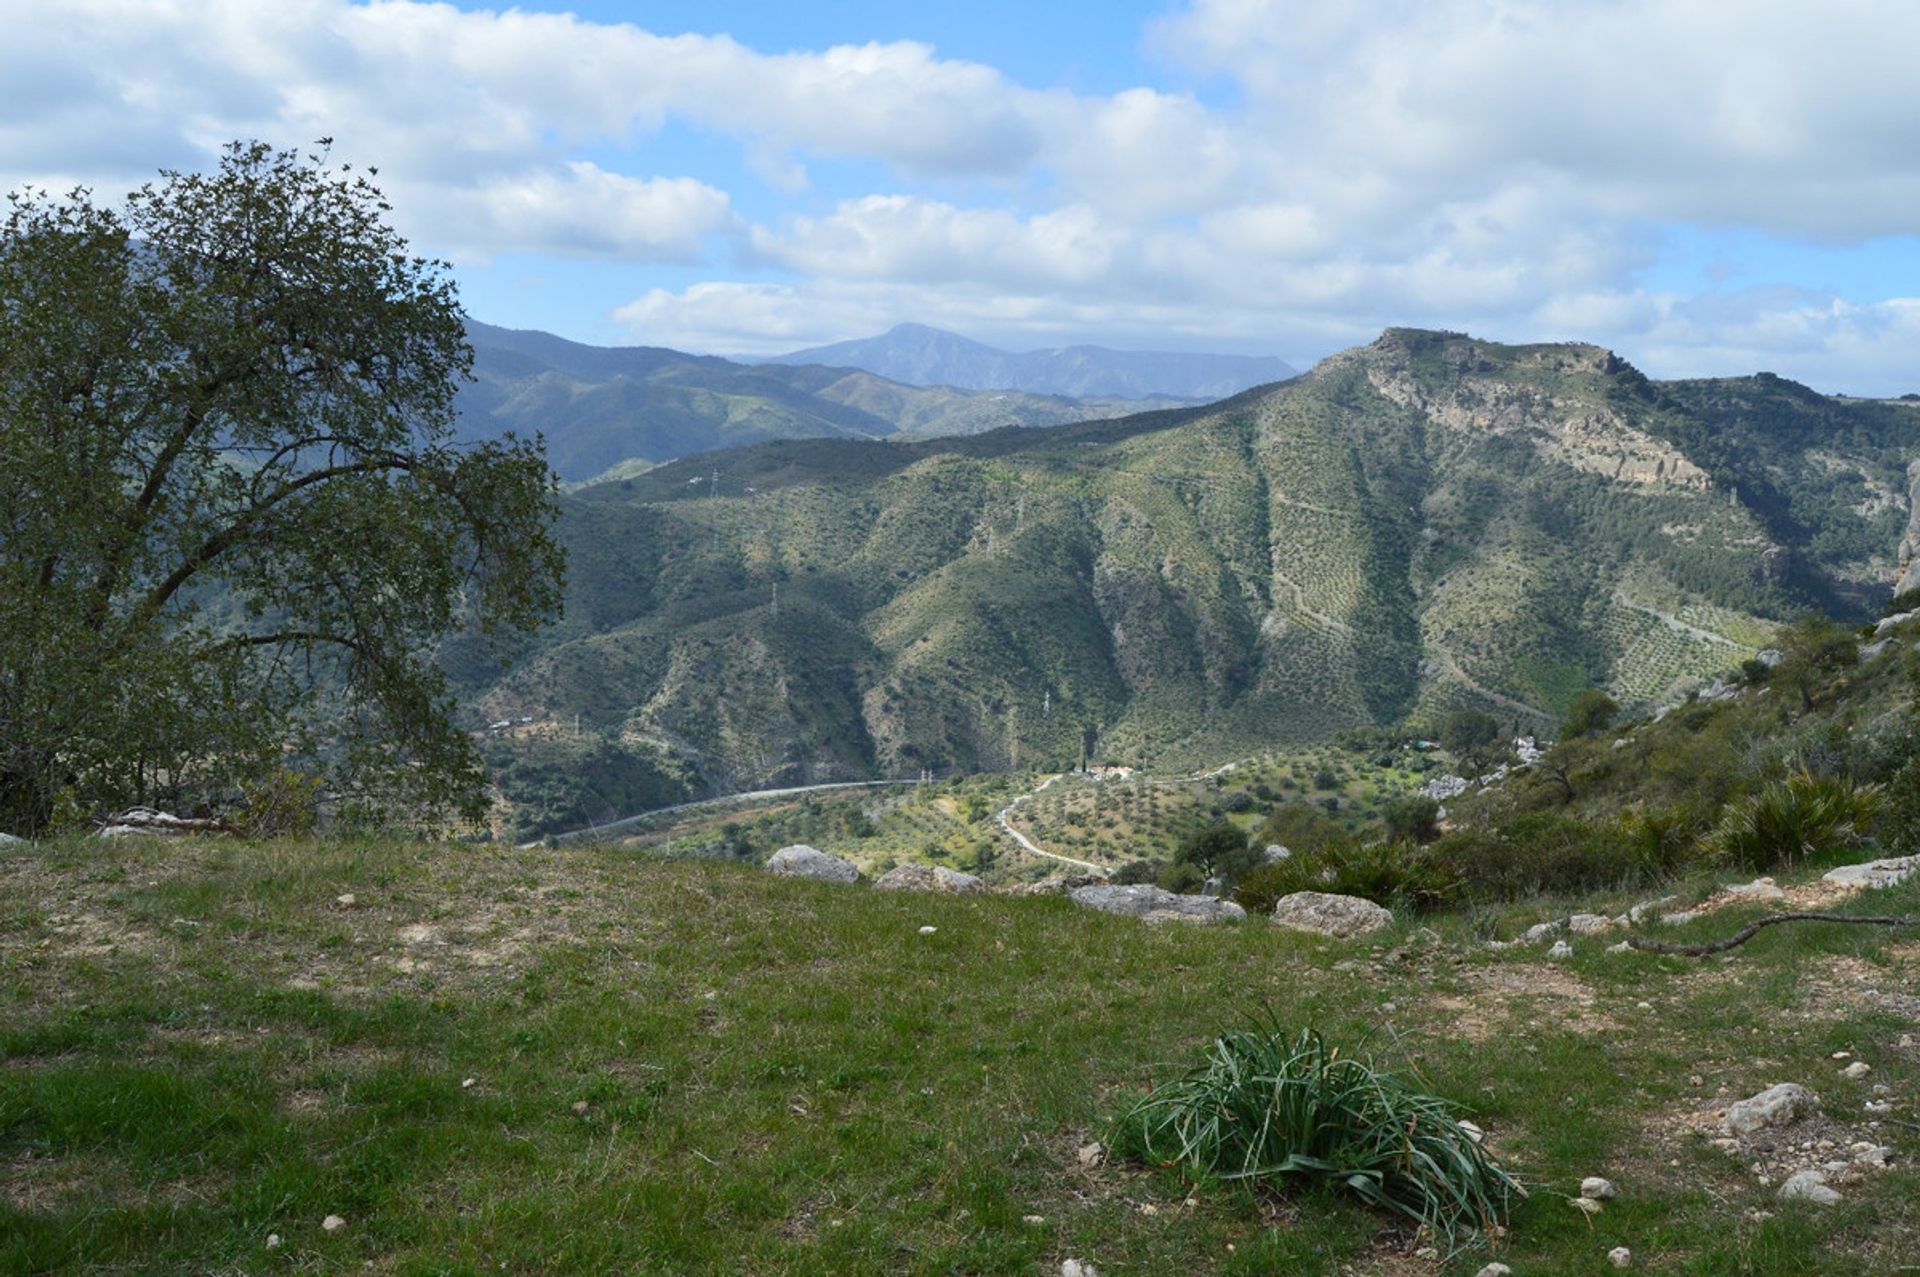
{"x":1136,"y":872}
{"x":1799,"y":818}
{"x":1270,"y":1107}
{"x":1591,"y":710}
{"x":1898,"y":822}
{"x":1414,"y":818}
{"x":1387,"y":873}
{"x":1542,"y":852}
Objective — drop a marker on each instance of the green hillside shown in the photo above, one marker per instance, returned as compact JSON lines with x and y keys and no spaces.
{"x":1424,"y":524}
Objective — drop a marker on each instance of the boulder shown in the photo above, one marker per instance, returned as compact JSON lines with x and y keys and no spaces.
{"x":802,"y":861}
{"x":1139,"y":900}
{"x":1758,"y":889}
{"x":1330,"y":914}
{"x":1875,"y":873}
{"x":8,"y":840}
{"x":1781,"y":1105}
{"x":1587,"y":924}
{"x":927,"y":878}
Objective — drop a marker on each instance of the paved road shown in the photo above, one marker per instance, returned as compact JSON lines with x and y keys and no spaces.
{"x":614,"y":828}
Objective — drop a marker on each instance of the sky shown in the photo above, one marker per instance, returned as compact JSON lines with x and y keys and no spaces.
{"x":1707,"y":187}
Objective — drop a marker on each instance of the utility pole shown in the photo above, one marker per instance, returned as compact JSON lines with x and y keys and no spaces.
{"x":776,"y":599}
{"x":1046,"y":705}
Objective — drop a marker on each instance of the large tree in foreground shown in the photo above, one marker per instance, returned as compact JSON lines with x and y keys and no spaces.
{"x":233,"y":518}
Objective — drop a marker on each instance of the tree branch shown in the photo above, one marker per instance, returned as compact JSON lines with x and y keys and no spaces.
{"x":1752,"y":929}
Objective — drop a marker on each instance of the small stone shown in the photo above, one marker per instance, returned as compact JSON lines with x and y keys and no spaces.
{"x":1427,"y":1252}
{"x":1033,"y":1220}
{"x":581,"y":1108}
{"x":1586,"y":1205}
{"x":1808,"y":1186}
{"x":1148,"y":1208}
{"x":1620,"y":946}
{"x":332,"y":1224}
{"x":467,"y":1084}
{"x":1472,"y":1132}
{"x":1597,"y":1188}
{"x":1540,"y":931}
{"x":1873,"y":1155}
{"x":1587,"y":924}
{"x":273,"y":1241}
{"x":927,"y":931}
{"x":1091,"y":1155}
{"x":1857,"y":1070}
{"x":1758,"y":889}
{"x":1679,"y":917}
{"x":1078,"y":1268}
{"x":1561,"y":951}
{"x":1620,"y":1257}
{"x":1841,"y":1055}
{"x":346,"y":901}
{"x":1643,"y":1006}
{"x":1495,"y":1270}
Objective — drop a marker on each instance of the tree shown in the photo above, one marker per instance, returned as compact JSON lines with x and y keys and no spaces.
{"x":1413,"y":818}
{"x":236,"y":519}
{"x":1591,"y":711}
{"x":1813,"y":648}
{"x":1471,"y":735}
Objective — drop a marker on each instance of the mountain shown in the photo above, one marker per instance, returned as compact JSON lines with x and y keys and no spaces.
{"x":608,"y":410}
{"x":1426,"y":523}
{"x":923,"y":356}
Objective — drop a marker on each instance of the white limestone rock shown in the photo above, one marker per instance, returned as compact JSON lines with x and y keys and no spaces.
{"x":802,"y":861}
{"x":1330,"y":914}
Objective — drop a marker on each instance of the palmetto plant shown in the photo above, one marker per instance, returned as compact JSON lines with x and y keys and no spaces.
{"x":1269,"y":1106}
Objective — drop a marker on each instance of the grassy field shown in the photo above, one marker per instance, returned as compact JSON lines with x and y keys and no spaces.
{"x":593,"y":1061}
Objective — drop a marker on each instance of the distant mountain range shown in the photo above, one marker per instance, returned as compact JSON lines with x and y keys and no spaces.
{"x":1425,"y":523}
{"x":923,"y":356}
{"x":615,"y":411}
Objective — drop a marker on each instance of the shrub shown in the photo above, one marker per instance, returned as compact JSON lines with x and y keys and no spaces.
{"x":1414,"y":818}
{"x":1270,"y":1107}
{"x":1542,"y":852}
{"x":1804,"y":816}
{"x":1135,"y":872}
{"x":1898,"y":822}
{"x":1591,"y":710}
{"x":1387,"y":873}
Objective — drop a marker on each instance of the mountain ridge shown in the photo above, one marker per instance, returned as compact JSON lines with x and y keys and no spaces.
{"x":611,"y":411}
{"x":1427,"y":523}
{"x":920,"y":354}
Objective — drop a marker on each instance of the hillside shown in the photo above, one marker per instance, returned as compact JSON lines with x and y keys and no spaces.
{"x":620,"y":409}
{"x":583,"y":1061}
{"x":1426,"y":523}
{"x":923,"y":356}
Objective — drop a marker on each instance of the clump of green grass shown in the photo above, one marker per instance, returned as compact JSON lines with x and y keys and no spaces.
{"x":1267,"y":1106}
{"x":1792,"y":820}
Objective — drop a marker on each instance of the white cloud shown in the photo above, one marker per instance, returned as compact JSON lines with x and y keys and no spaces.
{"x":1482,"y":164}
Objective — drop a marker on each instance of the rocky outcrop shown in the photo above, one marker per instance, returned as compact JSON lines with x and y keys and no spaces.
{"x":1329,"y":914}
{"x":1151,"y":904}
{"x":802,"y":861}
{"x":936,"y":878}
{"x":1908,"y":577}
{"x":1876,"y":873}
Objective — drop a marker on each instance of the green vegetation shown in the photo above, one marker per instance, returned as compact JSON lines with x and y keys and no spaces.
{"x":590,"y":1060}
{"x":1271,"y":1107}
{"x":238,"y":521}
{"x":1429,"y":526}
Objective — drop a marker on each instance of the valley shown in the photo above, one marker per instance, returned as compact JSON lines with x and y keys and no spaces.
{"x":1422,"y":525}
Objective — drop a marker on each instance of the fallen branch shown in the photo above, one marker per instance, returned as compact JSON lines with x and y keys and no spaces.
{"x":1748,"y":932}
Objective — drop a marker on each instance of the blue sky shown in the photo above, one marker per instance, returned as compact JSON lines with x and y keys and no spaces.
{"x":1707,"y":187}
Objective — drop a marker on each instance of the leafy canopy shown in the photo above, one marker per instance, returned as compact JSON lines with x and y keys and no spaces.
{"x":236,"y":519}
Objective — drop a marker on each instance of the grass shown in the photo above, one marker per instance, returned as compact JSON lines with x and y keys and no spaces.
{"x":1272,"y":1107}
{"x":199,"y":1047}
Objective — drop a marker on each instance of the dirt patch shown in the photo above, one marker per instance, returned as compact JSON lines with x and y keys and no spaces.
{"x":1501,"y":995}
